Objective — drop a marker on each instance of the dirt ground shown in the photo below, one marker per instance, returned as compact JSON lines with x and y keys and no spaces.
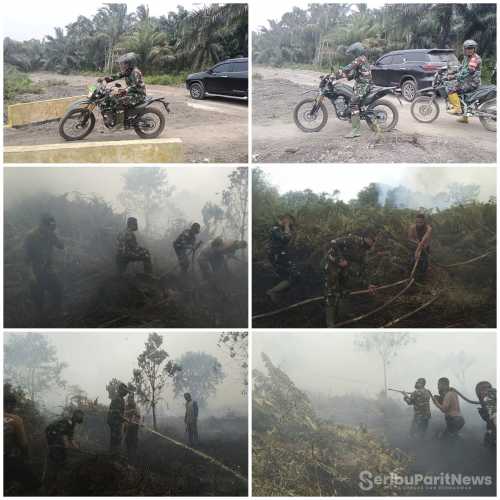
{"x":276,"y":139}
{"x":214,"y":130}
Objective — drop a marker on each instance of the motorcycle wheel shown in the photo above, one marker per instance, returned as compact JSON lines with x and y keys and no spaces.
{"x":489,"y":107}
{"x":79,"y":120}
{"x":149,"y":127}
{"x":381,"y":115}
{"x":424,"y":109}
{"x":305,"y":120}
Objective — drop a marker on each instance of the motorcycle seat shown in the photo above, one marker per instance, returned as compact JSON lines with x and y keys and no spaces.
{"x":482,"y":93}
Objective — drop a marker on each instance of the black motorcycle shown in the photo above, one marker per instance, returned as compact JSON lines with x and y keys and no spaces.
{"x":481,"y":103}
{"x":311,"y":115}
{"x":79,"y":120}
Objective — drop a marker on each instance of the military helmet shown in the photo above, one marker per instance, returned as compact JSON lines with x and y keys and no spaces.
{"x":77,"y":416}
{"x":470,"y":44}
{"x":484,"y":384}
{"x":356,"y":49}
{"x":129,"y":59}
{"x":195,"y":227}
{"x":217,"y":242}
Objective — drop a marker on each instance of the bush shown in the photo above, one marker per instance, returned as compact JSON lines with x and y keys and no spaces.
{"x":171,"y":79}
{"x":15,"y":83}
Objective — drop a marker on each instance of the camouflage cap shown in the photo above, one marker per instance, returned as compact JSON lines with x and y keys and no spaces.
{"x":421,"y":381}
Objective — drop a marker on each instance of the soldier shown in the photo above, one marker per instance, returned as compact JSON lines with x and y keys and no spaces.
{"x":191,"y":419}
{"x":359,"y":71}
{"x":447,"y":401}
{"x":133,"y":417}
{"x":134,"y":94}
{"x":60,"y":437}
{"x":127,"y":249}
{"x":420,"y":400}
{"x":487,"y":396}
{"x":419,"y":236}
{"x":345,"y":266}
{"x":185,"y":245}
{"x":39,"y":246}
{"x":278,"y":254}
{"x":15,"y":448}
{"x":116,"y":418}
{"x":468,"y":78}
{"x":213,"y":260}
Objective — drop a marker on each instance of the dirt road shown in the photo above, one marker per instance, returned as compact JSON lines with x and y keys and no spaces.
{"x":213,"y":130}
{"x":276,"y":91}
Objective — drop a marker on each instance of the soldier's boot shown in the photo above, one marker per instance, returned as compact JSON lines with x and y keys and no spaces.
{"x":456,"y":107}
{"x":274,"y":292}
{"x":463,"y":119}
{"x":356,"y":127}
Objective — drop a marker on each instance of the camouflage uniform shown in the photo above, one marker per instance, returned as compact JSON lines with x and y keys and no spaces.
{"x":469,"y":75}
{"x":359,"y":71}
{"x":116,"y":414}
{"x":278,"y":253}
{"x":127,"y":250}
{"x":184,"y":245}
{"x":132,"y":430}
{"x":488,"y":412}
{"x":340,"y":280}
{"x":39,"y":245}
{"x":136,"y":90}
{"x":420,"y":400}
{"x":213,"y":260}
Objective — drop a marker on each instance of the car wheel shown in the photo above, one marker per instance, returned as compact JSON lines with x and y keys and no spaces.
{"x":197,"y":90}
{"x":409,"y":90}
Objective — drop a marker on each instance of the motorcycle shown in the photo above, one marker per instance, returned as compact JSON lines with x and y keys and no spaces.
{"x":311,"y":115}
{"x":481,"y":103}
{"x":79,"y":120}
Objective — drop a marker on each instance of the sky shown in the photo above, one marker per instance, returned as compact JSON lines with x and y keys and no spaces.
{"x":351,"y":179}
{"x":261,"y":12}
{"x":95,"y":358}
{"x":194,"y":185}
{"x":331,"y":364}
{"x":26,"y":19}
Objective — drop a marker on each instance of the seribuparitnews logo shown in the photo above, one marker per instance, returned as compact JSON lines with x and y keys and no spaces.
{"x":414,"y":482}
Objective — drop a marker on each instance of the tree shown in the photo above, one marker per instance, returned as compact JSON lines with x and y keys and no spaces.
{"x":386,"y":345}
{"x":235,"y":199}
{"x":146,"y":192}
{"x":30,"y":362}
{"x":154,"y":370}
{"x":200,"y":375}
{"x":236,"y":345}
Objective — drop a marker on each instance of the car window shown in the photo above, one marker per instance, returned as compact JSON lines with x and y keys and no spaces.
{"x":397,"y":59}
{"x":446,"y":57}
{"x":222,"y":68}
{"x":240,"y":66}
{"x":416,"y":57}
{"x":385,"y":60}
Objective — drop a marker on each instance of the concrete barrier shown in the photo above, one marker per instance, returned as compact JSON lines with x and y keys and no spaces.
{"x":138,"y":151}
{"x":38,"y":111}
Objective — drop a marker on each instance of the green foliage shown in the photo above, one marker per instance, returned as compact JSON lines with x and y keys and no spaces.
{"x":16,"y":83}
{"x":321,"y":33}
{"x":235,"y":200}
{"x":200,"y":375}
{"x":170,"y":79}
{"x":175,"y":43}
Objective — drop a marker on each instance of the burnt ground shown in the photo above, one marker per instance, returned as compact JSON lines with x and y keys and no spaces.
{"x":162,"y":469}
{"x":276,"y":139}
{"x":463,"y":301}
{"x":213,"y":130}
{"x":98,"y":298}
{"x":466,"y":455}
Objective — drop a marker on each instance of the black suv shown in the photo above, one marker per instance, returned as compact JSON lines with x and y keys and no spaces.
{"x":227,"y":78}
{"x":411,"y":70}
